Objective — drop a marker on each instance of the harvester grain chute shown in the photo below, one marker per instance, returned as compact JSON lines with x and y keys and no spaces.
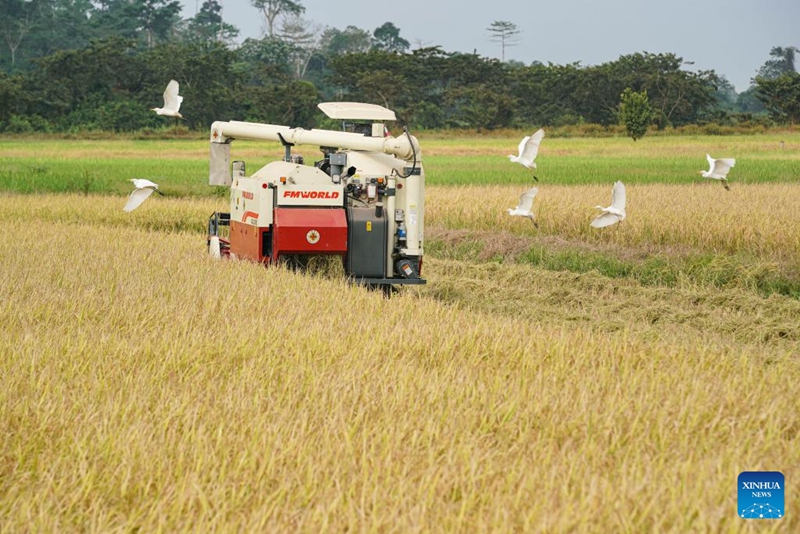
{"x":363,"y":200}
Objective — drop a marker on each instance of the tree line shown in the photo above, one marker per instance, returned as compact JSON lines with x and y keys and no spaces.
{"x":74,"y":65}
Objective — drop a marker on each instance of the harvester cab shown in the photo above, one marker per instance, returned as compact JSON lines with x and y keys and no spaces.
{"x":363,"y":199}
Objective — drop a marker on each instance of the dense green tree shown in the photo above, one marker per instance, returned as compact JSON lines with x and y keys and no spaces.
{"x":292,"y":103}
{"x":207,"y":25}
{"x":205,"y":73}
{"x":635,"y":112}
{"x":117,"y":18}
{"x":80,"y":82}
{"x":157,"y":19}
{"x":725,"y":94}
{"x":478,"y":106}
{"x":386,"y":37}
{"x":781,"y":96}
{"x":11,"y":101}
{"x":269,"y":56}
{"x":351,"y":40}
{"x":747,"y":101}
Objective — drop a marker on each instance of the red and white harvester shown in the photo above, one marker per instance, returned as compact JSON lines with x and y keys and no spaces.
{"x":363,"y":200}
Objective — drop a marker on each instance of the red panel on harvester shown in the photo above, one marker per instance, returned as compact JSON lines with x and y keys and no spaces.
{"x":309,"y":231}
{"x":247,"y":241}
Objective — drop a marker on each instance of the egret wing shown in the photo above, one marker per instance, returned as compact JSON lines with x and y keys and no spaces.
{"x":606,"y":219}
{"x":171,"y":98}
{"x":140,"y":183}
{"x":532,"y":145}
{"x":618,"y":196}
{"x":723,"y":165}
{"x":711,"y":164}
{"x":526,"y":200}
{"x":522,"y":145}
{"x":136,"y":198}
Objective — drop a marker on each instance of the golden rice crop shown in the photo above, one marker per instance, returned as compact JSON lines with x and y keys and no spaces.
{"x":148,"y":387}
{"x":759,"y":219}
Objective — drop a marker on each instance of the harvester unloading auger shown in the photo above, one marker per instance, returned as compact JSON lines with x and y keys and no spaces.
{"x":364,"y":200}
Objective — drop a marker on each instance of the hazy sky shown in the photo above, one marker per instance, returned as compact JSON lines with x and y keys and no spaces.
{"x":733,"y":37}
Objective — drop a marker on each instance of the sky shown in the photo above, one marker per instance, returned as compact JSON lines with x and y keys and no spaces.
{"x":732,"y":37}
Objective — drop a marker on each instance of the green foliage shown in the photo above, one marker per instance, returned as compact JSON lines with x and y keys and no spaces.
{"x":10,"y":95}
{"x":85,"y":61}
{"x":478,"y":106}
{"x":635,"y":112}
{"x":387,"y":38}
{"x":781,"y":96}
{"x":293,"y":103}
{"x":207,"y":25}
{"x":262,"y":60}
{"x":781,"y":62}
{"x":351,"y":40}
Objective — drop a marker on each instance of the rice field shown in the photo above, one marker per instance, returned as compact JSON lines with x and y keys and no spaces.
{"x":559,"y":379}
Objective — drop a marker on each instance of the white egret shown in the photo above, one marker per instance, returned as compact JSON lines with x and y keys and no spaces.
{"x":172,"y":101}
{"x":616,"y":211}
{"x":528,"y":148}
{"x":144,"y":188}
{"x":719,"y":170}
{"x":524,"y":209}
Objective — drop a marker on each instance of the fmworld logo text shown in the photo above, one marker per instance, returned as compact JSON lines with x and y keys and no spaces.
{"x":311,"y":194}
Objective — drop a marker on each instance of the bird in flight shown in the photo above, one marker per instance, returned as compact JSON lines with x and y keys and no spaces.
{"x":524,"y":209}
{"x":616,"y":211}
{"x":719,"y":170}
{"x":172,"y":101}
{"x":143,"y":189}
{"x":528,"y":148}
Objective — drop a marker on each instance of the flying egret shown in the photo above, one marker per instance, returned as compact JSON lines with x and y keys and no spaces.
{"x":616,"y":211}
{"x":144,"y":188}
{"x":528,"y":148}
{"x":719,"y":170}
{"x":525,"y":206}
{"x":172,"y":101}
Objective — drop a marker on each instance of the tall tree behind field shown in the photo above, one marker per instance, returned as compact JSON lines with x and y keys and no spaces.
{"x":505,"y":33}
{"x":386,"y":37}
{"x":17,"y":20}
{"x":781,"y":61}
{"x":634,"y":112}
{"x":303,"y":37}
{"x":157,"y":19}
{"x":207,"y":25}
{"x":351,"y":40}
{"x":115,"y":18}
{"x":272,"y":9}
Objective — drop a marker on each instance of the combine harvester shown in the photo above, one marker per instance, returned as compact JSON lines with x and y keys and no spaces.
{"x":364,"y":200}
